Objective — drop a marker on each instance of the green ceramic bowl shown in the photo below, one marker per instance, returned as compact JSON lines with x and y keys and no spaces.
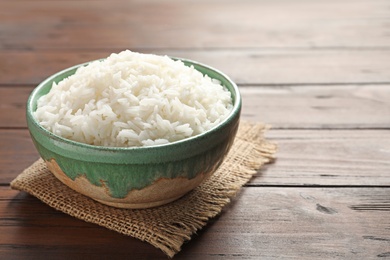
{"x":135,"y":177}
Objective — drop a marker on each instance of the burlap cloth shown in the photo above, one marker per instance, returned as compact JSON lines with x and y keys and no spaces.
{"x":166,"y":227}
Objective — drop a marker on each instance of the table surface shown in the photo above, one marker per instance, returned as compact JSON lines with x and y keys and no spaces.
{"x":317,"y":71}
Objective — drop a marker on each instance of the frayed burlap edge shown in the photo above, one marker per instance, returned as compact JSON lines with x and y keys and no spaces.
{"x":166,"y":227}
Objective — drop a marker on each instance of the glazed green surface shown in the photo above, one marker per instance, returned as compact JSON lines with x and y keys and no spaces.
{"x":121,"y":178}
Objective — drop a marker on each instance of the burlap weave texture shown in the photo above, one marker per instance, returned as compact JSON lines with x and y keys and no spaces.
{"x":166,"y":227}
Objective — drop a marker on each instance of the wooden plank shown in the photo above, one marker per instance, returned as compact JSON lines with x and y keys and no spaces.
{"x":346,"y":107}
{"x":13,"y":102}
{"x":193,"y":24}
{"x":328,"y":157}
{"x":304,"y":158}
{"x":17,"y":152}
{"x":244,"y":66}
{"x":347,"y":223}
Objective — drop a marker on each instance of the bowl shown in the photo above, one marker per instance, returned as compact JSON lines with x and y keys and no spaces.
{"x":135,"y":177}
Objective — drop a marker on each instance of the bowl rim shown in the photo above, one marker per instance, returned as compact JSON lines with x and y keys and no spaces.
{"x":236,"y":109}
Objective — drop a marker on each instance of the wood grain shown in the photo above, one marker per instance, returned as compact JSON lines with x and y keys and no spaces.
{"x":332,"y":107}
{"x":193,"y":24}
{"x":258,"y":66}
{"x":13,"y":106}
{"x":348,"y":223}
{"x":328,"y":158}
{"x":17,"y":153}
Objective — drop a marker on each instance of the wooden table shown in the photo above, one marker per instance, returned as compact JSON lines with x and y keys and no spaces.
{"x":318,"y":71}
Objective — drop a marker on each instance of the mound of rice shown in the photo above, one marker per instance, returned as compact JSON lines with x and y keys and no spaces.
{"x":133,"y":99}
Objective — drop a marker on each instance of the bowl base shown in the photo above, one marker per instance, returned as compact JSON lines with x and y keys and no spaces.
{"x":144,"y":205}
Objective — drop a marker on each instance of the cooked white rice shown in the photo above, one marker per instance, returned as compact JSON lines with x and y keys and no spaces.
{"x":133,"y":99}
